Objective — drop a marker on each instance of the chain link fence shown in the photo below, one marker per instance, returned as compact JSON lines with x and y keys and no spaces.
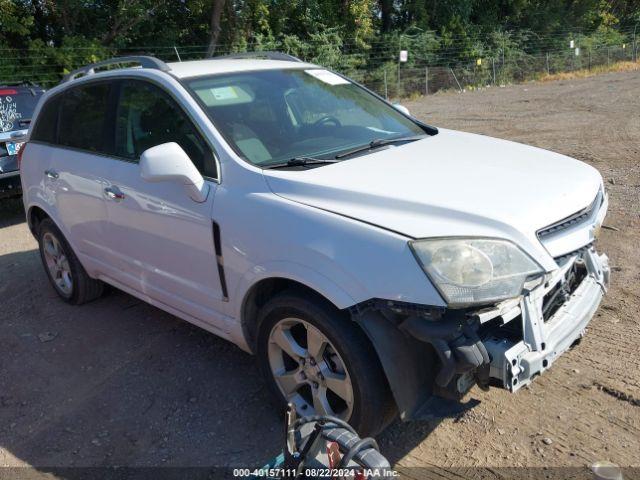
{"x":396,"y":81}
{"x":378,"y":68}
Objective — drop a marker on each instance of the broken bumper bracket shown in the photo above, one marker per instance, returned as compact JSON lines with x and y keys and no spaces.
{"x":516,"y":364}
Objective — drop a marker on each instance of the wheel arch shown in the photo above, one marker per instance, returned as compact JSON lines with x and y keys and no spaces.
{"x":264,"y":289}
{"x":408,"y":365}
{"x":35,"y":215}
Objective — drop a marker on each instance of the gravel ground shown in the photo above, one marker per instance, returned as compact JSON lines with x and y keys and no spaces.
{"x":118,"y":382}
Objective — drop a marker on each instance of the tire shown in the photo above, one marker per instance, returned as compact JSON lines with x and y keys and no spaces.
{"x":67,"y":276}
{"x":293,"y":318}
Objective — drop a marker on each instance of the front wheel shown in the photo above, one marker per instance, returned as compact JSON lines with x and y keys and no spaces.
{"x":321,"y":361}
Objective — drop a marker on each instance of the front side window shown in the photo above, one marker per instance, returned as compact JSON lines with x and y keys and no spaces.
{"x":275,"y":115}
{"x":146,"y":116}
{"x":83,"y":118}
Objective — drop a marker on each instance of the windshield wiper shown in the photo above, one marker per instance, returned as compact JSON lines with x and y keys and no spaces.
{"x":301,"y":161}
{"x":379,"y":142}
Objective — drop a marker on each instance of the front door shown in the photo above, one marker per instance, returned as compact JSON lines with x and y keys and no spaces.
{"x":160,"y":239}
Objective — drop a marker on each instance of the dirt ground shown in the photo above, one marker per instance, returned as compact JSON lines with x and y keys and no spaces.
{"x":118,"y":382}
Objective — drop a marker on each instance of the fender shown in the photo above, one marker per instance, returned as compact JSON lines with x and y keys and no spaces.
{"x":298,"y":273}
{"x":46,"y":208}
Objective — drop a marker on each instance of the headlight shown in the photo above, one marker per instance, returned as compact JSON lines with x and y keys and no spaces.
{"x":469,"y":271}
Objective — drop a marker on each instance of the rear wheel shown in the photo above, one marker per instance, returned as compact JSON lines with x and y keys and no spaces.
{"x":318,"y":359}
{"x":68,"y":277}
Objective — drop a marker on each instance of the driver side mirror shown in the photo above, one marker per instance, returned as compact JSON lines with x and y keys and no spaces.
{"x":402,"y":108}
{"x":168,"y":162}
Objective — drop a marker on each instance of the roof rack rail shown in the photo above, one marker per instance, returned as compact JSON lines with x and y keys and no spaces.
{"x":266,"y":55}
{"x":144,"y":61}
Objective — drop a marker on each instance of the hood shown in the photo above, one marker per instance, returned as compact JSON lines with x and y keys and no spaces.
{"x":453,"y":183}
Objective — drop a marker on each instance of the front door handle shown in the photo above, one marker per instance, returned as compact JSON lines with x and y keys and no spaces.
{"x":114,"y":193}
{"x":51,"y":174}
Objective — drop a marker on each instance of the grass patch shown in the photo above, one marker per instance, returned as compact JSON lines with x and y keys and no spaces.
{"x":597,"y":70}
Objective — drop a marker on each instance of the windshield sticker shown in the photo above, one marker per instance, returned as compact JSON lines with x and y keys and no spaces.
{"x":8,"y":113}
{"x":327,"y":77}
{"x":224,"y":93}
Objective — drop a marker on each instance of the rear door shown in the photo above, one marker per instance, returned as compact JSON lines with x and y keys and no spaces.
{"x":78,"y":172}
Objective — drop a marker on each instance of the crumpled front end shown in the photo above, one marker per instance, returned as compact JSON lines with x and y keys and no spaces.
{"x":524,"y":340}
{"x":434,"y":357}
{"x":431,"y":353}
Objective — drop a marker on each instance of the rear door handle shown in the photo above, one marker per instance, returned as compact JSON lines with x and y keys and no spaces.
{"x":114,"y":193}
{"x":51,"y":174}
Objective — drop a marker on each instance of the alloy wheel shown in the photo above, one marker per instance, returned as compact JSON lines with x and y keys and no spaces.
{"x":309,"y":370}
{"x":57,"y":264}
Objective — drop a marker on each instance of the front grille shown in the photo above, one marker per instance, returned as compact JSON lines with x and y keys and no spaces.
{"x":560,"y":293}
{"x":572,"y":220}
{"x":580,"y":251}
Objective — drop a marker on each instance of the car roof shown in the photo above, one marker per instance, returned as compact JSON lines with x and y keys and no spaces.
{"x":196,"y":68}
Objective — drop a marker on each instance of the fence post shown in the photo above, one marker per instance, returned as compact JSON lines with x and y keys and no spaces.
{"x":386,"y":88}
{"x":608,"y":59}
{"x":635,"y":45}
{"x":177,"y":54}
{"x":493,"y":63}
{"x":548,"y":70}
{"x":426,"y":80}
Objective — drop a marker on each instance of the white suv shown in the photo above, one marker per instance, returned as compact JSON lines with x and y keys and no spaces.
{"x":374,"y":264}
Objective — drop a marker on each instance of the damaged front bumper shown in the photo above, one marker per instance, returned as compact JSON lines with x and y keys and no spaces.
{"x":511,"y":343}
{"x":551,"y":318}
{"x":506,"y":345}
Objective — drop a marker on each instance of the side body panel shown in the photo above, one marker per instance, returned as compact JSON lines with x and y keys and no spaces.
{"x":67,"y":185}
{"x":161,"y":243}
{"x":78,"y":196}
{"x":347,"y":261}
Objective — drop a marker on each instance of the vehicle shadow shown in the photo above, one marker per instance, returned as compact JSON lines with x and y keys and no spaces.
{"x":119,"y":382}
{"x":11,"y":212}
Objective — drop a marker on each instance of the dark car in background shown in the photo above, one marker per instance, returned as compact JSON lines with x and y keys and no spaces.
{"x":17,"y":103}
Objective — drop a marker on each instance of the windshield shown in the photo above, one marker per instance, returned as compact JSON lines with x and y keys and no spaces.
{"x":16,"y":107}
{"x":273,"y":116}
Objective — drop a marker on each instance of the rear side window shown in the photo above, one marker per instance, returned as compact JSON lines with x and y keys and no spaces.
{"x":46,"y":127}
{"x":83,"y":117}
{"x":147,"y":116}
